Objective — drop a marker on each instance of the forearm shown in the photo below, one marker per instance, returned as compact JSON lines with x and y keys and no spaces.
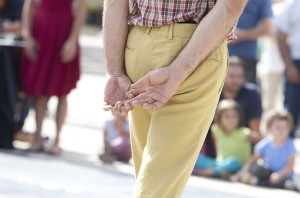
{"x":27,"y":17}
{"x":211,"y":31}
{"x":15,"y":27}
{"x":115,"y":31}
{"x":285,"y":172}
{"x":284,"y":49}
{"x":79,"y":19}
{"x":254,"y":124}
{"x":250,"y":162}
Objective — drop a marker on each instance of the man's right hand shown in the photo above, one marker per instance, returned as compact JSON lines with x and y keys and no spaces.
{"x":293,"y":74}
{"x":115,"y":93}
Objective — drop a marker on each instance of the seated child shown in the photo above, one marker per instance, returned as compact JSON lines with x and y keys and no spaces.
{"x":277,"y":154}
{"x":233,"y":148}
{"x":116,"y":141}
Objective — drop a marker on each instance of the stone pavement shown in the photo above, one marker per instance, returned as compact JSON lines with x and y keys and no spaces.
{"x":78,"y":173}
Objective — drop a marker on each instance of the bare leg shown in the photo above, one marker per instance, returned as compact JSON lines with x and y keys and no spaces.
{"x":61,"y":113}
{"x":40,"y":105}
{"x":206,"y":172}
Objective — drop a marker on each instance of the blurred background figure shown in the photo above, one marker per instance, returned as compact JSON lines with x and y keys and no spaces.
{"x":271,"y":67}
{"x":231,"y":141}
{"x":277,"y":152}
{"x":10,"y":15}
{"x":246,"y":95}
{"x":255,"y":22}
{"x":10,"y":56}
{"x":288,"y":25}
{"x":51,"y":59}
{"x":116,"y":141}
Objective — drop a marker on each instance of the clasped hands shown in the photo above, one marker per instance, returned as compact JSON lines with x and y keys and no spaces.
{"x":150,"y":92}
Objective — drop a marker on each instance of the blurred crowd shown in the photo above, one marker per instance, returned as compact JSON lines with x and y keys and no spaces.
{"x":252,"y":137}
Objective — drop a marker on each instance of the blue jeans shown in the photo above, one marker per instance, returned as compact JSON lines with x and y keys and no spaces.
{"x":231,"y":164}
{"x":292,"y":99}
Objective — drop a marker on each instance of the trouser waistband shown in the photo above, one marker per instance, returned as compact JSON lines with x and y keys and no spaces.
{"x":185,"y":30}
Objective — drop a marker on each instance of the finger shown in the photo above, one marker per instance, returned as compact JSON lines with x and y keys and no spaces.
{"x":150,"y":100}
{"x":125,"y":111}
{"x":135,"y":92}
{"x":107,"y":106}
{"x":138,"y":103}
{"x":130,"y":96}
{"x":141,"y":82}
{"x":128,"y":107}
{"x":138,"y":100}
{"x":152,"y":107}
{"x":66,"y":57}
{"x":117,"y":108}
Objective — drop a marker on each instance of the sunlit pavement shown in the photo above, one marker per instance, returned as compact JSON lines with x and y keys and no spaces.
{"x":77,"y":172}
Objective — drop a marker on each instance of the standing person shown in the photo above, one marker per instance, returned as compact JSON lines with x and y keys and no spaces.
{"x":10,"y":23}
{"x":278,"y":153}
{"x":116,"y":141}
{"x":271,"y":67}
{"x":233,"y":148}
{"x":288,"y":25}
{"x":51,"y":58}
{"x":176,"y":55}
{"x":255,"y":22}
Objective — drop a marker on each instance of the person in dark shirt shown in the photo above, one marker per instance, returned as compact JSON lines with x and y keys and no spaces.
{"x":245,"y":94}
{"x":10,"y":16}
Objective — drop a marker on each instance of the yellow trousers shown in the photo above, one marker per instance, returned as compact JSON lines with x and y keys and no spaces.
{"x":167,"y":141}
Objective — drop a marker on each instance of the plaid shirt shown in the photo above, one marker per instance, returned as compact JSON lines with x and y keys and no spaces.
{"x":155,"y":13}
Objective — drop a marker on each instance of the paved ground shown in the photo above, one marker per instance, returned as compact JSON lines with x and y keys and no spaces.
{"x":77,"y":173}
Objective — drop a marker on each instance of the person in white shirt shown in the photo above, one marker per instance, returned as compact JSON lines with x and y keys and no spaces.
{"x":271,"y":67}
{"x":288,"y":36}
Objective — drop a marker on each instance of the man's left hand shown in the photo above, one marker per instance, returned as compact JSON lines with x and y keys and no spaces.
{"x":153,"y":90}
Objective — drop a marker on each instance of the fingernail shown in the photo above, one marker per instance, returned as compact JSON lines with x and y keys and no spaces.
{"x":126,"y":106}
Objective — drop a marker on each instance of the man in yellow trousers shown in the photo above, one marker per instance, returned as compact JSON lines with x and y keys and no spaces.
{"x":167,"y":59}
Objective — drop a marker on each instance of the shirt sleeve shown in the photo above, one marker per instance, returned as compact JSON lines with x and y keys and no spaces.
{"x":246,"y":132}
{"x":266,"y":9}
{"x":283,"y":20}
{"x":292,"y":148}
{"x":261,"y":147}
{"x":215,"y":131}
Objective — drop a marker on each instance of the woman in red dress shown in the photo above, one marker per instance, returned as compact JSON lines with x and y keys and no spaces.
{"x":51,"y":59}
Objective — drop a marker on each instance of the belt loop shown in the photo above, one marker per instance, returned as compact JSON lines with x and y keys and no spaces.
{"x":148,"y":30}
{"x":171,"y":29}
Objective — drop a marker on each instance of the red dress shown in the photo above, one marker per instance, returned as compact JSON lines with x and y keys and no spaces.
{"x":47,"y":75}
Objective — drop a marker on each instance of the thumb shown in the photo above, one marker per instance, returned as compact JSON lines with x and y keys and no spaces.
{"x":141,"y":82}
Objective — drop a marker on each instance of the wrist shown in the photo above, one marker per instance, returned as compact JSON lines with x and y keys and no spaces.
{"x":72,"y":38}
{"x":114,"y":72}
{"x":176,"y":74}
{"x":289,"y":63}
